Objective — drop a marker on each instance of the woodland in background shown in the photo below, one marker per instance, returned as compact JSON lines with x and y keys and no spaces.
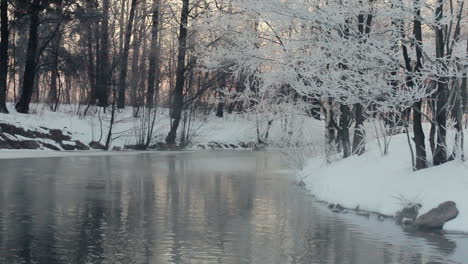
{"x":401,"y":62}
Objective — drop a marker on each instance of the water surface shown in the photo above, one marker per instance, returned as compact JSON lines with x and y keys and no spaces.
{"x":200,"y":207}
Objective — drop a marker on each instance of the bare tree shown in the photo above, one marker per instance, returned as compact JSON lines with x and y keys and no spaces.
{"x":153,"y":76}
{"x":104,"y":73}
{"x":178,"y":93}
{"x":124,"y":62}
{"x":22,"y":106}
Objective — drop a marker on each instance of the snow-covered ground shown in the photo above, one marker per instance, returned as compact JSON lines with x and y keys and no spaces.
{"x":385,"y":183}
{"x":231,"y":129}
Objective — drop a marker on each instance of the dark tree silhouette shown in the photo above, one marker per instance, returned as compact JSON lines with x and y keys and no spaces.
{"x":124,"y":62}
{"x":153,"y":84}
{"x":22,"y":106}
{"x":178,"y":97}
{"x":104,"y":74}
{"x":3,"y":54}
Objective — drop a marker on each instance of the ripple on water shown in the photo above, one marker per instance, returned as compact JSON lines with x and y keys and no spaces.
{"x":206,"y":207}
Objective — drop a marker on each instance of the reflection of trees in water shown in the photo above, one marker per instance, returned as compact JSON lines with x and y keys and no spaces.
{"x":27,"y":206}
{"x":436,"y":239}
{"x":331,"y":240}
{"x":146,"y":205}
{"x":174,"y":218}
{"x":204,"y":208}
{"x":170,"y":209}
{"x":91,"y":217}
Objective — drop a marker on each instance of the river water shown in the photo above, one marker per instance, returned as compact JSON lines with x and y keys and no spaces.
{"x":190,"y":207}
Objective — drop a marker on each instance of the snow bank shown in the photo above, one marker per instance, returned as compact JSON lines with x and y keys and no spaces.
{"x":385,"y":183}
{"x":207,"y":131}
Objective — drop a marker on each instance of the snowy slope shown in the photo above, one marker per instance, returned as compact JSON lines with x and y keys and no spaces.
{"x":385,"y":183}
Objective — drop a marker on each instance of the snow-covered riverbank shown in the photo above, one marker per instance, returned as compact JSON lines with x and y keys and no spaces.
{"x":384,"y":184}
{"x":35,"y":134}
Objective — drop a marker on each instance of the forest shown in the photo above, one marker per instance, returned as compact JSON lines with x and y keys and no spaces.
{"x":396,"y":67}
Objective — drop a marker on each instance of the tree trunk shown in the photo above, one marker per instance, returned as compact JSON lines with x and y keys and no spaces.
{"x":3,"y":54}
{"x":359,"y":143}
{"x":421,"y":161}
{"x":457,"y":114}
{"x":91,"y":68}
{"x":419,"y":138}
{"x":124,"y":64}
{"x":135,"y":63}
{"x":464,"y":86}
{"x":104,"y":76}
{"x":53,"y":93}
{"x":440,"y":155}
{"x":178,"y":98}
{"x":329,"y":129}
{"x":432,"y":134}
{"x":221,"y":96}
{"x":344,"y":129}
{"x":142,"y":68}
{"x":22,"y":106}
{"x":154,"y":58}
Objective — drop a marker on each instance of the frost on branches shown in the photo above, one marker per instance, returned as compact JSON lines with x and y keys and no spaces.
{"x":357,"y":60}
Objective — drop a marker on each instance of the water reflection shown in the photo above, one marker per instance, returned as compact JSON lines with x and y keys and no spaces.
{"x":210,"y":207}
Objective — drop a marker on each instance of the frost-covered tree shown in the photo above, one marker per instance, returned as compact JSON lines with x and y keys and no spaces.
{"x":353,"y":57}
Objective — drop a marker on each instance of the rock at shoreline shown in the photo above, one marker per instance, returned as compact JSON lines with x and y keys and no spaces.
{"x":437,"y":217}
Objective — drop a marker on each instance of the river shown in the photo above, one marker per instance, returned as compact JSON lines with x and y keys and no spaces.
{"x":190,"y":207}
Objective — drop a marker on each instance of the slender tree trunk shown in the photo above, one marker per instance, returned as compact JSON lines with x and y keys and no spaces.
{"x":359,"y":143}
{"x":104,"y":76}
{"x":221,"y":96}
{"x":37,"y":88}
{"x":91,"y":70}
{"x":154,"y":57}
{"x":53,"y":93}
{"x":91,"y":66}
{"x":421,"y":161}
{"x":22,"y":106}
{"x":178,"y":98}
{"x":97,"y":68}
{"x":432,"y":134}
{"x":52,"y":98}
{"x":143,"y":71}
{"x":440,"y":155}
{"x":124,"y":64}
{"x":344,"y":129}
{"x":135,"y":62}
{"x":3,"y":54}
{"x":464,"y":86}
{"x":329,"y":129}
{"x":13,"y":74}
{"x":419,"y":138}
{"x":457,"y":114}
{"x":111,"y":122}
{"x":418,"y":132}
